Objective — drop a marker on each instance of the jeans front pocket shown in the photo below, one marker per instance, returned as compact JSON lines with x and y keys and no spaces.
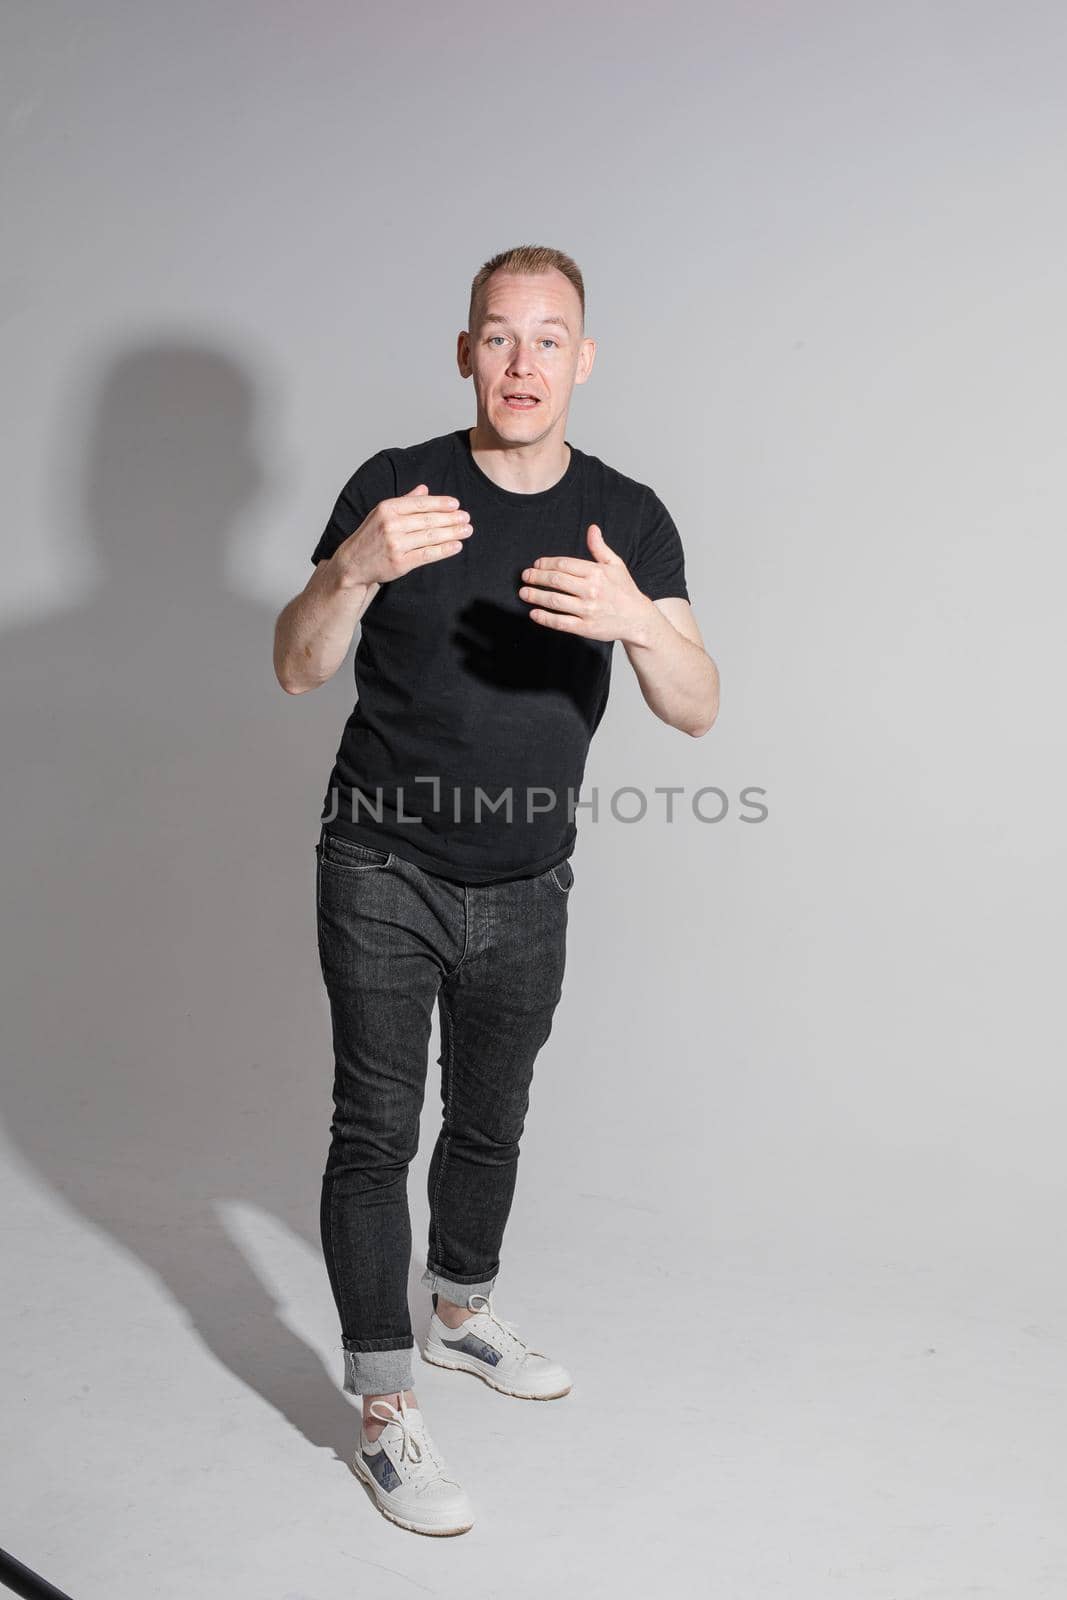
{"x":349,"y":855}
{"x":562,"y":875}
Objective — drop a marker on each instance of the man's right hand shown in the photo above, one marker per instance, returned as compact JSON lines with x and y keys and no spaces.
{"x":400,"y":535}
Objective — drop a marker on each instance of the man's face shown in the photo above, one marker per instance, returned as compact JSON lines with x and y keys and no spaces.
{"x":528,"y":340}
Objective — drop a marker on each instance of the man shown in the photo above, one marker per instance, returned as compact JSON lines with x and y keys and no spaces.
{"x":492,"y":569}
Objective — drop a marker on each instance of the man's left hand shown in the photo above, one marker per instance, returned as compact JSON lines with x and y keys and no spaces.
{"x":594,"y":599}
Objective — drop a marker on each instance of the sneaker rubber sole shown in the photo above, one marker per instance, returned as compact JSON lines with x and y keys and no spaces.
{"x":364,"y":1474}
{"x":461,"y":1364}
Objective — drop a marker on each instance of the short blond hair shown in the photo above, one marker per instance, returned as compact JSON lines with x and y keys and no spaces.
{"x":526,"y":258}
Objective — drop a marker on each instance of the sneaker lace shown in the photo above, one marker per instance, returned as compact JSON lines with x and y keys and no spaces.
{"x":509,"y":1327}
{"x":415,"y":1444}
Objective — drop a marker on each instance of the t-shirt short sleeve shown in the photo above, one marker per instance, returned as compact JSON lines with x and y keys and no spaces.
{"x":658,"y":567}
{"x":373,"y":481}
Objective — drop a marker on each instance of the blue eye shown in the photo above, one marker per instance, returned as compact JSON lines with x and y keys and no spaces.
{"x":493,"y":337}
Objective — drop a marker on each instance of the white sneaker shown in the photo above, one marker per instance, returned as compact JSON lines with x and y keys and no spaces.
{"x":407,"y":1476}
{"x":492,"y":1349}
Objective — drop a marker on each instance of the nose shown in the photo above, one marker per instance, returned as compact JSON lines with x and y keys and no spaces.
{"x":521,"y":361}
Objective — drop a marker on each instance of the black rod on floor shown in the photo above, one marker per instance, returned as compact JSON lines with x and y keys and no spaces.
{"x":22,"y":1581}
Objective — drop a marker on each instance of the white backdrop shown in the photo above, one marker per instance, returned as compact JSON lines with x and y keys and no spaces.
{"x":800,"y":1117}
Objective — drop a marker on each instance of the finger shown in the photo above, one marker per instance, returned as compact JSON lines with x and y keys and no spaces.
{"x":437,"y":536}
{"x":417,"y":518}
{"x":554,"y":599}
{"x":549,"y":578}
{"x":560,"y":620}
{"x":435,"y":526}
{"x":606,"y":556}
{"x":438,"y":550}
{"x":573,"y":564}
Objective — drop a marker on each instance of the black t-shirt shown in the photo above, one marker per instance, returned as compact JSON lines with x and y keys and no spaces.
{"x":467,"y":710}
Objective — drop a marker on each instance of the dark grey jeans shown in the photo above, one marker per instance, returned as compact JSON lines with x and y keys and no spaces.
{"x":393,"y":941}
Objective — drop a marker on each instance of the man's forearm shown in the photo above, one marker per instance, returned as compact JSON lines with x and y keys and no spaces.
{"x":679,"y":680}
{"x":313,"y":633}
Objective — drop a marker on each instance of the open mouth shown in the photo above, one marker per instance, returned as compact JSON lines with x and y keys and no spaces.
{"x":521,"y":402}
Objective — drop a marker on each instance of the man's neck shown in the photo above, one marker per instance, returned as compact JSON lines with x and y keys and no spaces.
{"x":522,"y":469}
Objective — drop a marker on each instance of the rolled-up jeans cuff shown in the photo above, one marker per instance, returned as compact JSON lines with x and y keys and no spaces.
{"x":452,"y":1289}
{"x":378,"y":1371}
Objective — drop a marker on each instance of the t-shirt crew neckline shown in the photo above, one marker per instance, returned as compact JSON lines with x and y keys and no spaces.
{"x":514,"y":497}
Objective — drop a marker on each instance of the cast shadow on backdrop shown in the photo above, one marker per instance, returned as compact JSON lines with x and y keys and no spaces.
{"x":150,"y":884}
